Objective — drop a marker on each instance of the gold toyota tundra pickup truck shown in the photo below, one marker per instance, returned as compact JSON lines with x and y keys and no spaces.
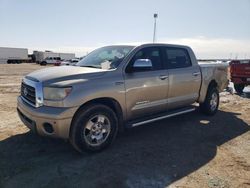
{"x":115,"y":87}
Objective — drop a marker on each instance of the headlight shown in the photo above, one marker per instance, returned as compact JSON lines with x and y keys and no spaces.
{"x":51,"y":93}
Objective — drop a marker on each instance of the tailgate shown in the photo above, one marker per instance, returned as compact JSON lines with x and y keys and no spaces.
{"x":240,"y":69}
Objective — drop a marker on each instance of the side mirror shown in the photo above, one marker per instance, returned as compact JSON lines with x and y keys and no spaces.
{"x":142,"y":65}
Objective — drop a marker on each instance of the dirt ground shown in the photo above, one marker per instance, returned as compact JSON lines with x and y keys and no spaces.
{"x":191,"y":150}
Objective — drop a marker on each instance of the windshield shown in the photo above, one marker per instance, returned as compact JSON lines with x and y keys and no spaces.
{"x":108,"y":57}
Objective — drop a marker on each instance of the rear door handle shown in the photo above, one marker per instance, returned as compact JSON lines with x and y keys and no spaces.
{"x":163,"y":77}
{"x":196,"y":73}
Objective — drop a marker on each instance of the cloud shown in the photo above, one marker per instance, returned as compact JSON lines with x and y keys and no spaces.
{"x":203,"y":47}
{"x":215,"y":47}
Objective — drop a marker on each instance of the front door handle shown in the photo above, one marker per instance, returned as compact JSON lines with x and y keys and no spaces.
{"x":163,"y":77}
{"x":196,"y":73}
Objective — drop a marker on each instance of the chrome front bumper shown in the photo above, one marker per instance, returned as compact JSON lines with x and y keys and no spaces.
{"x":35,"y":118}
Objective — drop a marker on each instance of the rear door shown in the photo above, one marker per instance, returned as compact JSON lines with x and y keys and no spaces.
{"x":146,"y":90}
{"x":184,"y":78}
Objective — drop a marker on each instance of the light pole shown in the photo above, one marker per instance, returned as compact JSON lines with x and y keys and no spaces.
{"x":154,"y":37}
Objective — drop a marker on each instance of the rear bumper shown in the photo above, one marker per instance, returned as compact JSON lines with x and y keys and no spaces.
{"x":38,"y":119}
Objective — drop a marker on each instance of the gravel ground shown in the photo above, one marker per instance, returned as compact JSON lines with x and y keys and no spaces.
{"x":191,"y":150}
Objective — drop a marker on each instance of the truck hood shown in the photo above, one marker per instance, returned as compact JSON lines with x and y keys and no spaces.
{"x":64,"y":73}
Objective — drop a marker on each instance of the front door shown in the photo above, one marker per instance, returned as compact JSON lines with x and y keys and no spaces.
{"x":146,"y":90}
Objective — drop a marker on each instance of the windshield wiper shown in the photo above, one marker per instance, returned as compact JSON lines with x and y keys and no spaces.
{"x":91,"y":66}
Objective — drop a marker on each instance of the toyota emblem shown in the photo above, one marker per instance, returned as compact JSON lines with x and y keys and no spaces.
{"x":25,"y":91}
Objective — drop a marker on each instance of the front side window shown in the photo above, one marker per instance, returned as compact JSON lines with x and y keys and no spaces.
{"x":151,"y":53}
{"x":177,"y":58}
{"x":108,"y":57}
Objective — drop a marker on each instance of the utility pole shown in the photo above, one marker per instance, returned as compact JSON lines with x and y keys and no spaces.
{"x":154,"y":37}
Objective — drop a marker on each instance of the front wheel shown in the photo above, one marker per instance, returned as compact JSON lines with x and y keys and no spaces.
{"x":211,"y":103}
{"x":94,"y":128}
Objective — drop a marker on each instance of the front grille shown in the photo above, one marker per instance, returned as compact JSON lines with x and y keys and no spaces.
{"x":28,"y":93}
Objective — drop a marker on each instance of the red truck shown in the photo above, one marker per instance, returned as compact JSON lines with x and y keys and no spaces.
{"x":240,"y":74}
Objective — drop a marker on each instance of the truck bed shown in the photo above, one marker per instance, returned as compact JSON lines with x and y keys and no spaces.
{"x":213,"y":71}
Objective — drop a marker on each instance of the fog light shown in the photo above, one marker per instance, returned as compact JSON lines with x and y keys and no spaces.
{"x":48,"y":128}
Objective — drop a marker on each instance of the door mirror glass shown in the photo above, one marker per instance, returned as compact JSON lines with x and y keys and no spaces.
{"x":142,"y":65}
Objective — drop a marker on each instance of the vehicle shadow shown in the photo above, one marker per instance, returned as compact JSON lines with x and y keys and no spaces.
{"x":153,"y":155}
{"x":245,"y":95}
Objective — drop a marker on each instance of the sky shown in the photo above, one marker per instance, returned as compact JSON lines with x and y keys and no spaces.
{"x":213,"y":28}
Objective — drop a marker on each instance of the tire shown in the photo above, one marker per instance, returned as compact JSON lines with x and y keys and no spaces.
{"x":43,"y":63}
{"x":93,"y":128}
{"x":211,"y":103}
{"x":239,"y":88}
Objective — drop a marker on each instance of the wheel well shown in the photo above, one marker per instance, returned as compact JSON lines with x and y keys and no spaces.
{"x":110,"y":102}
{"x":213,"y":83}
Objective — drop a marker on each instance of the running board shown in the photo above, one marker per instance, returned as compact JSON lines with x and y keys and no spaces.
{"x":163,"y":116}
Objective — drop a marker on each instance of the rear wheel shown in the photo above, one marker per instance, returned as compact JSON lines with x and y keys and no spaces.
{"x":94,"y":128}
{"x":211,"y":103}
{"x":239,"y":88}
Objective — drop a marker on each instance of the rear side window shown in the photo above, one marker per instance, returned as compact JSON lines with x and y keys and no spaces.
{"x":177,"y":58}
